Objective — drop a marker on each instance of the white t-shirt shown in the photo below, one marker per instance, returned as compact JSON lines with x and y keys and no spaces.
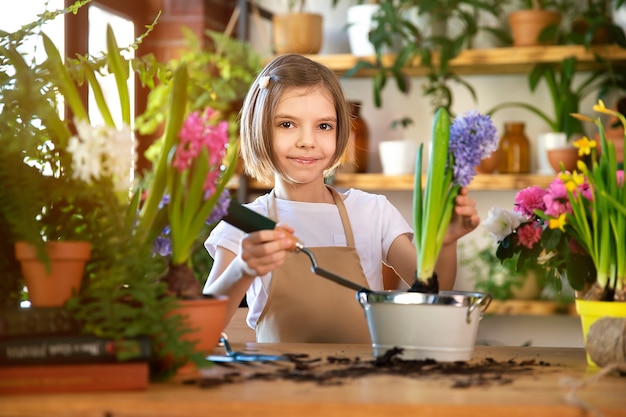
{"x":375,"y":222}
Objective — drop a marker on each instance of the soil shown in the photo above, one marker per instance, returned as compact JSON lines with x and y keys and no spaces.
{"x":335,"y":370}
{"x":431,"y":286}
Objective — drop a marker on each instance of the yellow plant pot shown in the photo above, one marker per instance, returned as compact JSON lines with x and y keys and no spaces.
{"x":590,"y":311}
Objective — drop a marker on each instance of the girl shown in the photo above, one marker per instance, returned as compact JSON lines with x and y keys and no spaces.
{"x":295,"y":125}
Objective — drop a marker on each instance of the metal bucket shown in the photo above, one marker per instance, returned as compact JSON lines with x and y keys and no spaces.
{"x":439,"y":326}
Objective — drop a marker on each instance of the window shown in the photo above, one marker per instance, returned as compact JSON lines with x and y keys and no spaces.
{"x":11,"y":19}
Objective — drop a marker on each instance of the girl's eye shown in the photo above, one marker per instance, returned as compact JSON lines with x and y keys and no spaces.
{"x":285,"y":125}
{"x":326,"y":126}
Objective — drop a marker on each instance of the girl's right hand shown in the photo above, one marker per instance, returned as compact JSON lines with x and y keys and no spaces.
{"x":265,"y":250}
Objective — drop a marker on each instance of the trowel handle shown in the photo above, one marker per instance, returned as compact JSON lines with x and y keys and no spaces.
{"x":250,"y":221}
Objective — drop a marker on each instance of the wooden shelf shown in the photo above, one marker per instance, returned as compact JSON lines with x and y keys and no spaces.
{"x":530,"y":307}
{"x":370,"y":182}
{"x":509,"y":60}
{"x":494,"y":182}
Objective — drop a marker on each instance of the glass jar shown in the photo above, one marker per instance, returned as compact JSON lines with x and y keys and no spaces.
{"x":360,"y":142}
{"x":514,"y":150}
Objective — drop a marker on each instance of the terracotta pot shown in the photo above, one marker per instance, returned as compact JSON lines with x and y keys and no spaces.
{"x":299,"y":33}
{"x":568,"y":156}
{"x":54,"y":286}
{"x":489,"y":164}
{"x":601,"y":35}
{"x":526,"y":25}
{"x":206,"y":318}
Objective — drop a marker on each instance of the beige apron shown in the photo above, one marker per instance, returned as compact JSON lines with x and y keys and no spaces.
{"x":304,"y":307}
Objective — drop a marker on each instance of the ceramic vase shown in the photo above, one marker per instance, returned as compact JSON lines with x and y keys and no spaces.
{"x":590,"y":311}
{"x":52,"y":285}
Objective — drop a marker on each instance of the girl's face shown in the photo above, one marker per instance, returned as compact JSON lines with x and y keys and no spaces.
{"x":305,"y":133}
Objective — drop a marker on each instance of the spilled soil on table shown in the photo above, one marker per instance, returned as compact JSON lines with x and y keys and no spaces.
{"x":336,"y":370}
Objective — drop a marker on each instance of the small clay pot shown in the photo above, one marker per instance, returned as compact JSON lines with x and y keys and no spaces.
{"x":489,"y":164}
{"x":526,"y":25}
{"x":568,"y":156}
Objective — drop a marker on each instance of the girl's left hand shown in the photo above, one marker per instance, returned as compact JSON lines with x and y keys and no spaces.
{"x":464,"y":218}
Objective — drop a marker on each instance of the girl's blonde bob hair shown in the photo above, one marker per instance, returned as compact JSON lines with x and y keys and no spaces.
{"x":259,"y":108}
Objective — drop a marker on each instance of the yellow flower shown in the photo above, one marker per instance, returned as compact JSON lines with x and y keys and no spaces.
{"x":558,"y":223}
{"x":582,"y":117}
{"x":584,"y":145}
{"x":600,"y":107}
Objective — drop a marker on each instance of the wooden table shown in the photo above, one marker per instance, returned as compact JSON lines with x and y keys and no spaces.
{"x":540,"y":392}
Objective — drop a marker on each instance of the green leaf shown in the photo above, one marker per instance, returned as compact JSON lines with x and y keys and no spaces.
{"x":119,"y":67}
{"x":434,"y":196}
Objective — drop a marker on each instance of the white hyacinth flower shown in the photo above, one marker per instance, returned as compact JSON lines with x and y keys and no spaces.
{"x":103,"y":151}
{"x":501,"y":223}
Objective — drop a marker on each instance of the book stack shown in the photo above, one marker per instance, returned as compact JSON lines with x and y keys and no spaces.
{"x":42,"y":351}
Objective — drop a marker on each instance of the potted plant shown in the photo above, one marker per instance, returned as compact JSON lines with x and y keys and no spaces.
{"x":537,"y":22}
{"x":297,"y":31}
{"x":456,"y":149}
{"x":359,"y":18}
{"x":211,"y":77}
{"x":397,"y":154}
{"x":122,"y":296}
{"x":396,"y":28}
{"x":184,"y":194}
{"x":575,"y":227}
{"x":594,"y":24}
{"x":56,"y":191}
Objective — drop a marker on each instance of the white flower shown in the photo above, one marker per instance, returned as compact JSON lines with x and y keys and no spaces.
{"x":501,"y":223}
{"x":103,"y":152}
